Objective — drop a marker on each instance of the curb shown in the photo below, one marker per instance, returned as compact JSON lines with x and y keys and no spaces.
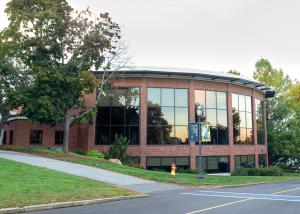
{"x":66,"y":204}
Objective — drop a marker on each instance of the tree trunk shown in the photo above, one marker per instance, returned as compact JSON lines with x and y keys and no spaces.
{"x":3,"y":120}
{"x":66,"y":131}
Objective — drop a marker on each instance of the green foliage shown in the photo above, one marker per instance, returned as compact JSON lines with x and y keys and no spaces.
{"x":235,"y":72}
{"x":269,"y":171}
{"x":95,"y":154}
{"x":118,"y":149}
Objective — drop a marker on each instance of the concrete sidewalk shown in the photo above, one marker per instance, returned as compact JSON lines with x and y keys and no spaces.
{"x":125,"y":181}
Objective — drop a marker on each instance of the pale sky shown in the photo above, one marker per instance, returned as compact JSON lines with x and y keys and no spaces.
{"x":216,"y":35}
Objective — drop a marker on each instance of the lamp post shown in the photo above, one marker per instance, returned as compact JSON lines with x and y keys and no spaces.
{"x":201,"y":117}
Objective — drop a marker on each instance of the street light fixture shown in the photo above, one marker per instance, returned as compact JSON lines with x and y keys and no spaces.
{"x":201,"y":117}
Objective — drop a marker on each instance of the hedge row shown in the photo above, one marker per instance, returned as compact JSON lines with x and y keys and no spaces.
{"x":268,"y":171}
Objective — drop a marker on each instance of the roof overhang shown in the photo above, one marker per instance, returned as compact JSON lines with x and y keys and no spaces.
{"x":193,"y":74}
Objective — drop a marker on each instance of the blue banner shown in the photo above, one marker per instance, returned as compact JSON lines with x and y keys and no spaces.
{"x":194,"y":132}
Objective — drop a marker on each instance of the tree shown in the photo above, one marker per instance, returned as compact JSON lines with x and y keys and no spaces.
{"x":12,"y":79}
{"x":61,"y":47}
{"x":280,"y":117}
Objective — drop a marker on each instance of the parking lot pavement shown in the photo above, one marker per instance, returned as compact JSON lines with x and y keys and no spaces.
{"x":274,"y":198}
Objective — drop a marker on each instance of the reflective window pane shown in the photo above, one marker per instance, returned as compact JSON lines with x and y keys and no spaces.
{"x":212,"y":163}
{"x":200,"y":98}
{"x":154,"y":116}
{"x":168,"y":134}
{"x":103,"y":115}
{"x":132,"y":134}
{"x":222,"y":118}
{"x":117,"y":131}
{"x":167,"y":115}
{"x":236,"y":119}
{"x":248,"y":104}
{"x":181,"y":97}
{"x":155,"y":161}
{"x":154,"y":135}
{"x":118,"y":97}
{"x":249,"y":139}
{"x":105,"y":98}
{"x":153,"y":96}
{"x":213,"y":135}
{"x":242,"y":103}
{"x":242,"y":119}
{"x":181,"y":134}
{"x":235,"y":102}
{"x":222,"y":135}
{"x":102,"y":135}
{"x":211,"y":99}
{"x":181,"y":116}
{"x":132,"y":116}
{"x":167,"y":161}
{"x":117,"y":116}
{"x":211,"y":116}
{"x":133,"y":96}
{"x":249,"y":120}
{"x":167,"y":97}
{"x":221,"y":100}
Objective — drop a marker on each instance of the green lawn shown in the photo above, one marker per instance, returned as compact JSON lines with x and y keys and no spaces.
{"x":22,"y":184}
{"x":181,"y":178}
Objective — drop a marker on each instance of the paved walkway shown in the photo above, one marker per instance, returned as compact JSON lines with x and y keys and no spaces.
{"x":93,"y":173}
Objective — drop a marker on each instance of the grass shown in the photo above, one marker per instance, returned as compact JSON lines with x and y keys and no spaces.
{"x":181,"y":178}
{"x":22,"y":184}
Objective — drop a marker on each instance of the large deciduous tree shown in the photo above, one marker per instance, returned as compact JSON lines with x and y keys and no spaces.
{"x":61,"y":47}
{"x":282,"y":115}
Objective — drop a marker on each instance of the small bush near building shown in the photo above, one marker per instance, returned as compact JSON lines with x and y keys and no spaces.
{"x":268,"y":171}
{"x":95,"y":154}
{"x":118,"y":150}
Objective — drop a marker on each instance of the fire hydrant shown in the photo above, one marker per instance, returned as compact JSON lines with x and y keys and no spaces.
{"x":173,"y":169}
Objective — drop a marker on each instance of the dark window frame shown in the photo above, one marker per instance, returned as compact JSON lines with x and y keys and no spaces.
{"x":217,"y":110}
{"x":113,"y":127}
{"x":36,"y":141}
{"x":261,"y":113}
{"x":175,"y":140}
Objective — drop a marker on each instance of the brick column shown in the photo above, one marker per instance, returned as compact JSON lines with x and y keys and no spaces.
{"x":143,"y":123}
{"x":193,"y":147}
{"x":230,"y":130}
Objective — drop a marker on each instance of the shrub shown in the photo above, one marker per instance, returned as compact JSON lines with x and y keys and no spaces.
{"x":78,"y":152}
{"x":118,"y":149}
{"x":268,"y":171}
{"x":95,"y":154}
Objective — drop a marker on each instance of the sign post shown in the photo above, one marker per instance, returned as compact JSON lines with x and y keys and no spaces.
{"x":200,"y":132}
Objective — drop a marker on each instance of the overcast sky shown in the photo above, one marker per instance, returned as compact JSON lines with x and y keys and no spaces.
{"x":216,"y":35}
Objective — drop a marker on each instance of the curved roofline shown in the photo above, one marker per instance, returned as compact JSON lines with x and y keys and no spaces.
{"x":193,"y":74}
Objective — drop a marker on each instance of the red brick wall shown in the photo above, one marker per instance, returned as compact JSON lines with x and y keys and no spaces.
{"x":83,"y":137}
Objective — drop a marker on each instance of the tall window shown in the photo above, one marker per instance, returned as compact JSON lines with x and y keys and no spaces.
{"x":4,"y":137}
{"x":259,"y":106}
{"x":242,"y":119}
{"x":36,"y":136}
{"x":11,"y":137}
{"x":215,"y":105}
{"x":118,"y":114}
{"x":59,"y":137}
{"x":167,"y":121}
{"x":262,"y":160}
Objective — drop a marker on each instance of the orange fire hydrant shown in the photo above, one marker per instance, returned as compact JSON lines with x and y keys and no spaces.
{"x":173,"y":169}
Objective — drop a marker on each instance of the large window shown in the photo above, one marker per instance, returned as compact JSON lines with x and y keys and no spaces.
{"x":213,"y":164}
{"x":242,"y":119}
{"x":118,"y":114}
{"x":167,"y":121}
{"x":259,"y":106}
{"x":36,"y":136}
{"x":215,"y":105}
{"x":165,"y":163}
{"x":244,"y":161}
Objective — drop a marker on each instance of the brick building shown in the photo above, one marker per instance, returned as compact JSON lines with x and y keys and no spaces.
{"x":152,"y":107}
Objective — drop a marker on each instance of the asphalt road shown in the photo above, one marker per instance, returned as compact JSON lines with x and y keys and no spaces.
{"x":257,"y":199}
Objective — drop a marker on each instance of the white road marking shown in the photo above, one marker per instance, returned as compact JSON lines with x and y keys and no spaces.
{"x":247,"y":196}
{"x":222,"y":205}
